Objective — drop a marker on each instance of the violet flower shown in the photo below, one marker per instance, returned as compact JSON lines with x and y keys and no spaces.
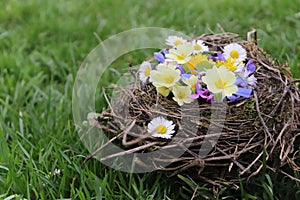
{"x":204,"y":94}
{"x":250,"y":66}
{"x":244,"y":92}
{"x":160,"y":56}
{"x":219,"y":56}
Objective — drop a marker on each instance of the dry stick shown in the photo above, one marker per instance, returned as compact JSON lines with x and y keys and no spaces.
{"x":286,"y":125}
{"x":99,"y":149}
{"x":232,"y":159}
{"x":108,"y":102}
{"x":291,"y":120}
{"x":260,"y":117}
{"x":226,"y":157}
{"x":265,"y":65}
{"x":296,"y":81}
{"x":194,"y":193}
{"x":221,"y":28}
{"x":124,"y":142}
{"x":254,"y":161}
{"x":291,"y":177}
{"x":172,"y":160}
{"x":279,"y":136}
{"x":210,"y":181}
{"x":249,"y":36}
{"x":102,"y":127}
{"x":93,"y":154}
{"x":258,"y":170}
{"x":286,"y":89}
{"x":122,"y":153}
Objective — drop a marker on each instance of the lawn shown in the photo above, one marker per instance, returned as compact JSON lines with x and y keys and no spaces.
{"x":43,"y":44}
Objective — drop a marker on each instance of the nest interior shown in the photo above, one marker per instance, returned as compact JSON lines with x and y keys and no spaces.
{"x":263,"y":127}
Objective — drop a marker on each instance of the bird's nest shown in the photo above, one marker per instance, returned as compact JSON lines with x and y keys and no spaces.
{"x":257,"y":132}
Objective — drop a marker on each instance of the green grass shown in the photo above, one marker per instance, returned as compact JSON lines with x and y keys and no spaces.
{"x":42,"y":45}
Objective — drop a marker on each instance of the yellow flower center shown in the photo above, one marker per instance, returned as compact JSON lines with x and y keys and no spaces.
{"x":169,"y":79}
{"x":161,"y":129}
{"x":147,"y":71}
{"x":195,"y":60}
{"x":181,"y":95}
{"x":229,"y":64}
{"x":234,"y":54}
{"x":197,"y":47}
{"x":177,"y":42}
{"x":220,"y":84}
{"x":181,"y":56}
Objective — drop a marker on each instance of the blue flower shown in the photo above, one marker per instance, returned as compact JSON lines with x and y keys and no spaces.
{"x":250,"y":66}
{"x":219,"y":57}
{"x":160,"y":56}
{"x":244,"y":92}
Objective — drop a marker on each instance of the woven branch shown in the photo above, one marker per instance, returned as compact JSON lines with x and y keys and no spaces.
{"x":264,"y":126}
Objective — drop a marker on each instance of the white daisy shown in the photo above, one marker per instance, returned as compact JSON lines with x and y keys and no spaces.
{"x":182,"y":53}
{"x":199,"y":46}
{"x":144,"y":71}
{"x":160,"y":127}
{"x":235,"y":51}
{"x":175,"y":41}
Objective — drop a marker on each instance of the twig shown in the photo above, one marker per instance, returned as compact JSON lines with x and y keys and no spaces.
{"x":291,"y":177}
{"x":260,"y":117}
{"x":249,"y":39}
{"x":232,"y":159}
{"x":122,"y":153}
{"x":250,"y":165}
{"x":93,"y":155}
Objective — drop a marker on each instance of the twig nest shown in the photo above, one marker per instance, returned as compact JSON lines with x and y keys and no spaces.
{"x":192,"y":79}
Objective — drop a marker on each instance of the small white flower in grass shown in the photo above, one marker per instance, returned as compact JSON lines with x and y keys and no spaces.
{"x":235,"y":52}
{"x":199,"y":46}
{"x":160,"y":127}
{"x":175,"y":41}
{"x":144,"y":71}
{"x":182,"y":53}
{"x":56,"y":172}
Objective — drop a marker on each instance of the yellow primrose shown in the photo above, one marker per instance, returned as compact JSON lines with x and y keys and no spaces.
{"x":182,"y":94}
{"x":182,"y":53}
{"x":191,"y":82}
{"x":164,"y":78}
{"x":163,"y":91}
{"x":230,"y":64}
{"x":195,"y":60}
{"x":220,"y":81}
